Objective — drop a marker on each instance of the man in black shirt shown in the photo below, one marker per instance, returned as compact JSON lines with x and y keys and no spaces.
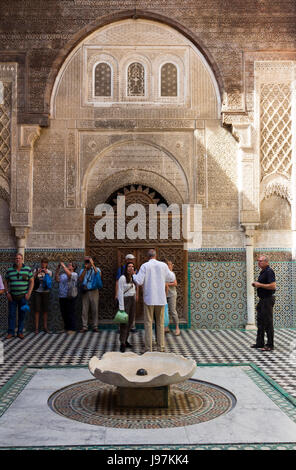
{"x":265,"y":290}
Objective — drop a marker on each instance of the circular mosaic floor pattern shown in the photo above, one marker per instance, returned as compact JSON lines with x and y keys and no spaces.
{"x":93,"y":402}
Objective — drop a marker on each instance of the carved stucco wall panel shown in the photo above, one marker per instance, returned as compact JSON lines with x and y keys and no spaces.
{"x":8,"y":142}
{"x":202,"y":162}
{"x":55,"y":173}
{"x":134,"y":156}
{"x":221,"y":210}
{"x":128,"y":177}
{"x":275,"y":213}
{"x":74,"y":87}
{"x":273,"y":238}
{"x":7,"y":239}
{"x":275,"y":88}
{"x":222,"y":238}
{"x":8,"y":128}
{"x":177,"y":145}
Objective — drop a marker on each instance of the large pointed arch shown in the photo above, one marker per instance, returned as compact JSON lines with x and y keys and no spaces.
{"x":72,"y":46}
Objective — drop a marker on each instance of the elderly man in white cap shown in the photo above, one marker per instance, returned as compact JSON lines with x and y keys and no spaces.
{"x":120,"y":272}
{"x":153,"y":276}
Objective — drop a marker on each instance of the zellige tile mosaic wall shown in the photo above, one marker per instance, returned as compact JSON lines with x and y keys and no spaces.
{"x":217,"y":288}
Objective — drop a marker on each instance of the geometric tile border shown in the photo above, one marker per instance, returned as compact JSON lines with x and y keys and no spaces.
{"x":283,"y":400}
{"x":168,"y":448}
{"x":186,"y":448}
{"x":10,"y":391}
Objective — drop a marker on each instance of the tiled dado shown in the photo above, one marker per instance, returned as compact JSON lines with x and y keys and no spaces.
{"x":217,"y":287}
{"x":275,"y":254}
{"x":218,"y":294}
{"x":216,"y":281}
{"x":237,"y":254}
{"x":219,"y":254}
{"x":284,"y":268}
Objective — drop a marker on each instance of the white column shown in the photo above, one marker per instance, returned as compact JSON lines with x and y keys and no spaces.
{"x":249,"y":243}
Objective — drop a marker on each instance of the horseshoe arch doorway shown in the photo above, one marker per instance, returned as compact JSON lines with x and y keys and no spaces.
{"x":110,"y":254}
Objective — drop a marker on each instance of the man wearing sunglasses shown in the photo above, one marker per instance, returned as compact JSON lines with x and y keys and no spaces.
{"x":19,"y":283}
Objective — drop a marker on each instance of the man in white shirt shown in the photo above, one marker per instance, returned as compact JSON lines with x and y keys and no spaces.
{"x":153,"y":276}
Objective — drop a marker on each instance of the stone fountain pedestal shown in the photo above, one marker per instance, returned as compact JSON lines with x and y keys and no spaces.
{"x":142,"y":381}
{"x":148,"y":397}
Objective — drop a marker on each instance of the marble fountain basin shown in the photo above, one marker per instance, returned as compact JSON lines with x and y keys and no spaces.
{"x":120,"y":369}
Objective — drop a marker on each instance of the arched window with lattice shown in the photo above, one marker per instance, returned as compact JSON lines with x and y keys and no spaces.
{"x":103,"y":80}
{"x":169,"y":80}
{"x":136,"y":79}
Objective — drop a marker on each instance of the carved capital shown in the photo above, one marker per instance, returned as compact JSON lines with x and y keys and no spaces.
{"x":241,"y":128}
{"x":243,"y":134}
{"x":249,"y":230}
{"x":21,"y":232}
{"x":28,"y":135}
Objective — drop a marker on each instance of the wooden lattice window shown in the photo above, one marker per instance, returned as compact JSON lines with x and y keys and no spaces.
{"x":136,"y":80}
{"x":103,"y":80}
{"x":169,"y":80}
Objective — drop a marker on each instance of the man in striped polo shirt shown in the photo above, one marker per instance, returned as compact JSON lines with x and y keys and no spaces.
{"x":19,"y":283}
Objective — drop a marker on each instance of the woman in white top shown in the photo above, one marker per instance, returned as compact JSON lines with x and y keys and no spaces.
{"x":127,"y":293}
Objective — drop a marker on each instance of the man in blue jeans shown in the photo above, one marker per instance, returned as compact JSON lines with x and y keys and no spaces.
{"x":19,"y":283}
